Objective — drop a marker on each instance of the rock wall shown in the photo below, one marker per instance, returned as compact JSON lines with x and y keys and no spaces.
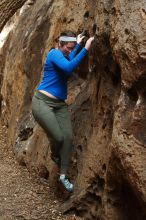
{"x":7,"y":10}
{"x":107,"y":102}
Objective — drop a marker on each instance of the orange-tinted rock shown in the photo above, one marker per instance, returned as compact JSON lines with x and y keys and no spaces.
{"x":107,"y":102}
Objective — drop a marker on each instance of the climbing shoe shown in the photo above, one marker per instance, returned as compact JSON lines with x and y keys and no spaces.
{"x":66,"y":183}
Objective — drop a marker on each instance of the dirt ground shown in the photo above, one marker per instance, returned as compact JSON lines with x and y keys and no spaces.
{"x":22,"y":195}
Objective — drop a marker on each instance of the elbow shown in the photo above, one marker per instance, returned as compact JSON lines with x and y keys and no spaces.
{"x":68,"y":70}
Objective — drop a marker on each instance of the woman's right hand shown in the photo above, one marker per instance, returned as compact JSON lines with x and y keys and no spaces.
{"x":88,"y":43}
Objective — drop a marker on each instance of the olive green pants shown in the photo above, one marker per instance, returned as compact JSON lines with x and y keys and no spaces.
{"x":54,"y":118}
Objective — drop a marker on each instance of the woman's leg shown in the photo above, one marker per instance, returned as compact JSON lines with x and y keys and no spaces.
{"x":64,"y":121}
{"x":45,"y":116}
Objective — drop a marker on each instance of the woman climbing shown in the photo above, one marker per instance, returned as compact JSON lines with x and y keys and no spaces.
{"x":48,"y":105}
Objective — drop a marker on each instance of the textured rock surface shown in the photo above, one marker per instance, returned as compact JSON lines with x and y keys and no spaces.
{"x":107,"y":102}
{"x":7,"y":10}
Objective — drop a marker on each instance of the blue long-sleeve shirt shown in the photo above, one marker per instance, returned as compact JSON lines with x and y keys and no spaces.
{"x":57,"y":69}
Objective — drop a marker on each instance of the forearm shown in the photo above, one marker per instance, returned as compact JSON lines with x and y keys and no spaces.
{"x":74,"y":51}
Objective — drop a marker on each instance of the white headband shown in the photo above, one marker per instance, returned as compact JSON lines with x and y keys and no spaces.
{"x":67,"y":39}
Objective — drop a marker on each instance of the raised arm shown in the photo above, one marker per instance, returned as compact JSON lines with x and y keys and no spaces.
{"x":67,"y":66}
{"x":58,"y":59}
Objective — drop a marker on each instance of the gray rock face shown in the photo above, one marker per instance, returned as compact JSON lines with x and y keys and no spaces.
{"x":7,"y":10}
{"x":107,"y":102}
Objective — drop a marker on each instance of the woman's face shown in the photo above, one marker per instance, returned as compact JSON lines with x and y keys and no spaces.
{"x":66,"y":49}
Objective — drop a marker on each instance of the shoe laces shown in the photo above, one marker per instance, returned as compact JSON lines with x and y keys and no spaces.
{"x":66,"y":183}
